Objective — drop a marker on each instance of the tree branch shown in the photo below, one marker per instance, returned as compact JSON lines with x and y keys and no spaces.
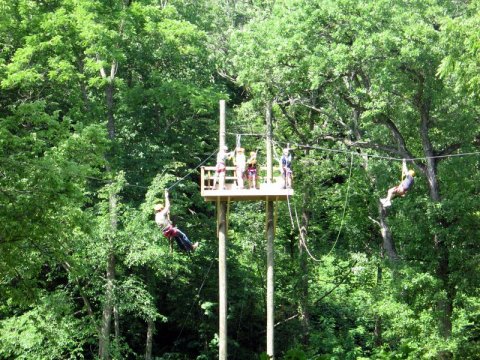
{"x":292,"y":123}
{"x":448,"y":150}
{"x":395,"y":133}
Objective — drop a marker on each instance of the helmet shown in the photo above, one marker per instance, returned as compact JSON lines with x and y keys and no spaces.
{"x":411,"y":172}
{"x":285,"y":151}
{"x":158,"y":207}
{"x":224,"y":147}
{"x":253,"y":153}
{"x":240,"y":149}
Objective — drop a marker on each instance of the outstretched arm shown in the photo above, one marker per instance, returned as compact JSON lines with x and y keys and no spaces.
{"x":404,"y":168}
{"x":167,"y":202}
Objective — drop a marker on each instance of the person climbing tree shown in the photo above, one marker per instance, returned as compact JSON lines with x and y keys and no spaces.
{"x":402,"y":188}
{"x":252,"y":170}
{"x":286,"y":168}
{"x":162,"y":219}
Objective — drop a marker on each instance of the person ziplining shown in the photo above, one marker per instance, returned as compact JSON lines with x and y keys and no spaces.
{"x":162,"y":212}
{"x":402,"y":188}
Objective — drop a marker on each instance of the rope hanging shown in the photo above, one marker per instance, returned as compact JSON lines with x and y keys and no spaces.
{"x":302,"y":239}
{"x":238,"y":144}
{"x":344,"y":206}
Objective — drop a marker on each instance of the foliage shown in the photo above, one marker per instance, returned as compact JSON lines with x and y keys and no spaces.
{"x":106,"y":104}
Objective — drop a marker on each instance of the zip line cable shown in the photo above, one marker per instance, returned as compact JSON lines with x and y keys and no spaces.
{"x":246,"y":134}
{"x":375,"y":155}
{"x":191,"y":171}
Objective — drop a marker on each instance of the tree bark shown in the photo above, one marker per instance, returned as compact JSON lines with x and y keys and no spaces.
{"x":388,"y":244}
{"x":116,"y":321}
{"x":445,"y":306}
{"x":378,"y":341}
{"x":104,"y":341}
{"x":149,"y":340}
{"x":303,"y":263}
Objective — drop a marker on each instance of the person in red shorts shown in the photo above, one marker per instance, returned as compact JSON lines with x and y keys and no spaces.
{"x":170,"y":231}
{"x":252,"y":170}
{"x":221,"y":168}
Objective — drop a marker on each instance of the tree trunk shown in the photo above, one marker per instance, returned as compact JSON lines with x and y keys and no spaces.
{"x":116,"y":321}
{"x":445,"y":306}
{"x":303,"y":263}
{"x":149,"y":341}
{"x":388,"y":244}
{"x":378,"y":319}
{"x":110,"y":118}
{"x":106,"y":325}
{"x":104,"y":343}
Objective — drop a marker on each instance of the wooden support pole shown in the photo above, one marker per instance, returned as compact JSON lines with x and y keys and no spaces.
{"x":222,"y":279}
{"x":222,"y":255}
{"x":270,"y":238}
{"x":270,"y":281}
{"x":268,"y":118}
{"x":221,"y":134}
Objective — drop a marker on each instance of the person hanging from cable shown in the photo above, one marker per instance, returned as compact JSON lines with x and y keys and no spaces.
{"x":221,"y":167}
{"x":240,"y":166}
{"x":252,"y":170}
{"x":286,"y":168}
{"x":402,"y":188}
{"x":162,"y":219}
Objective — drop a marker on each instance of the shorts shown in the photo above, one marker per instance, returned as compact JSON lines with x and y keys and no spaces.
{"x":399,"y":190}
{"x":220,"y":168}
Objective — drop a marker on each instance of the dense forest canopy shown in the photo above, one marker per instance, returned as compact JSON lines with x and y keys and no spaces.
{"x":106,"y":103}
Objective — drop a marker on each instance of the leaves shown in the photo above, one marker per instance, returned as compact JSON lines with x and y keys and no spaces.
{"x":350,"y":81}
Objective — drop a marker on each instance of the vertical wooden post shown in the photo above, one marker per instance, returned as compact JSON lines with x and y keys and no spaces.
{"x":270,"y":281}
{"x":222,"y":256}
{"x":222,"y":124}
{"x":268,"y":118}
{"x":270,"y":238}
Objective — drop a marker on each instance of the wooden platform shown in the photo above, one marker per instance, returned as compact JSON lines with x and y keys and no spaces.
{"x":265,"y":192}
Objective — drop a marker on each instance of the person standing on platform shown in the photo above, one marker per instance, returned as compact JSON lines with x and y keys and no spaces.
{"x":240,"y":166}
{"x":286,"y":168}
{"x":221,"y":168}
{"x":252,"y":170}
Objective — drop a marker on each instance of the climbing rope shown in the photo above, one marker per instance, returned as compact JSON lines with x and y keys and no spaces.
{"x":302,"y":239}
{"x":344,"y":206}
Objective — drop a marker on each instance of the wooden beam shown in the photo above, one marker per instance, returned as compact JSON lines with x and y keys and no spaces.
{"x":270,"y":281}
{"x":222,"y":254}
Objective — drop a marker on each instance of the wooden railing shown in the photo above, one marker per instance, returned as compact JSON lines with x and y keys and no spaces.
{"x":208,"y":176}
